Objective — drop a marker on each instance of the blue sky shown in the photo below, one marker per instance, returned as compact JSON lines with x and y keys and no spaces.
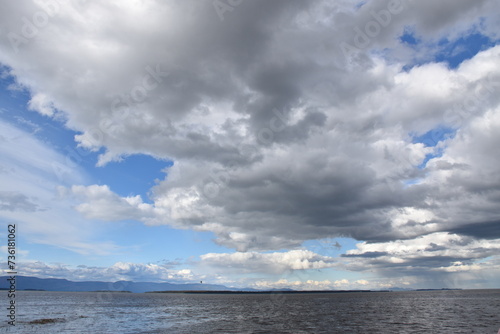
{"x":289,"y":164}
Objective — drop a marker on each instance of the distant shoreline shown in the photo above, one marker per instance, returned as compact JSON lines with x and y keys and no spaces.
{"x":262,"y":292}
{"x":27,"y":283}
{"x":265,"y":292}
{"x":288,"y":291}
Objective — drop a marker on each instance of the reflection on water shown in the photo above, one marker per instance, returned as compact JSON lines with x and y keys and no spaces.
{"x":468,"y":311}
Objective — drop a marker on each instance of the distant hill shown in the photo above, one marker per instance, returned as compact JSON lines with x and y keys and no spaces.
{"x":56,"y":284}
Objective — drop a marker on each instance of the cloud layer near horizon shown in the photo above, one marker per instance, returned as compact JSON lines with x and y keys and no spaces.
{"x":277,"y":135}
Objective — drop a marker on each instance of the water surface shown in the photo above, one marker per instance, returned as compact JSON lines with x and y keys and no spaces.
{"x":465,"y":311}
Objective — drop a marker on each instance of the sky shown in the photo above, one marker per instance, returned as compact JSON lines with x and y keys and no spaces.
{"x":252,"y":143}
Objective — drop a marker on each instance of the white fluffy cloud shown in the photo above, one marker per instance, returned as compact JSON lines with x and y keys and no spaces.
{"x":101,"y":203}
{"x":437,"y":260}
{"x":339,"y":284}
{"x":271,"y":263}
{"x":306,"y":285}
{"x":119,"y":271}
{"x":442,"y":245}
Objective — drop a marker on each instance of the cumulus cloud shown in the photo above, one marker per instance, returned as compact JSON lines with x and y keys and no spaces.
{"x":340,"y":284}
{"x":125,"y":271}
{"x":100,"y":199}
{"x":439,"y":249}
{"x":302,"y":285}
{"x":271,"y":263}
{"x":277,"y":134}
{"x":432,"y":258}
